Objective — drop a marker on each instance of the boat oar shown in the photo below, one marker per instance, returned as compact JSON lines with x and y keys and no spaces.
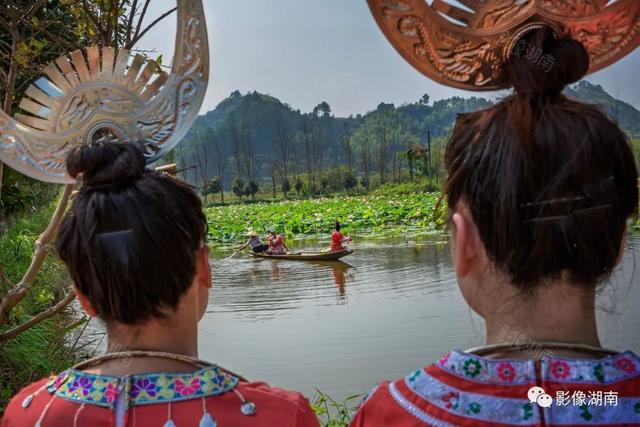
{"x":233,"y":254}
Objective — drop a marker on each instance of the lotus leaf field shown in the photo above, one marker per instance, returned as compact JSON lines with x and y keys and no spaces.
{"x":360,"y":215}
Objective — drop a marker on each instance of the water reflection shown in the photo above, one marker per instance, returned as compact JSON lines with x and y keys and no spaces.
{"x":341,"y":275}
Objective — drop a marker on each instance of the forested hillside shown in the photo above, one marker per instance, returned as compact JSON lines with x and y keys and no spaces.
{"x":257,"y":138}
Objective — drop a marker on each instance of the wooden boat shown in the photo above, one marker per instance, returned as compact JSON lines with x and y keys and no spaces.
{"x":307,"y":256}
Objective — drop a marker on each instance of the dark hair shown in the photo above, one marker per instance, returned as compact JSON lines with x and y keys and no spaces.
{"x":131,"y":235}
{"x":550,"y":182}
{"x":337,"y":226}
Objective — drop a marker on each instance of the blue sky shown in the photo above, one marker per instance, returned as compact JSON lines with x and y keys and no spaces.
{"x":307,"y":51}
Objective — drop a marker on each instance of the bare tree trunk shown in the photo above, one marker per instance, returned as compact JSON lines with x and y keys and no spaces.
{"x":273,"y":181}
{"x":366,"y":162}
{"x":204,"y":159}
{"x":282,"y":144}
{"x":10,"y":85}
{"x":348,"y":148}
{"x":181,"y":162}
{"x":318,"y":151}
{"x":198,"y":161}
{"x":308,"y":151}
{"x":220,"y":163}
{"x":381,"y":162}
{"x":237,"y":148}
{"x":395,"y":164}
{"x":296,"y":162}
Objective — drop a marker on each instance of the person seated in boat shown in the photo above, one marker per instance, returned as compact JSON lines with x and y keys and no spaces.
{"x":540,"y":189}
{"x":146,"y":274}
{"x":337,"y":239}
{"x":256,"y":244}
{"x":276,"y":243}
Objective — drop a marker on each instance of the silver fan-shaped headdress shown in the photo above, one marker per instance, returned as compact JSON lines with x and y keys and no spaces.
{"x":101,"y":95}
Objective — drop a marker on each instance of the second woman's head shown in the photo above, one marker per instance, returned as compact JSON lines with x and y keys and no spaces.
{"x":540,"y":186}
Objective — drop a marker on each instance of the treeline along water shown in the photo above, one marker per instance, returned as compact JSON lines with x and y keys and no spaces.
{"x":392,"y":307}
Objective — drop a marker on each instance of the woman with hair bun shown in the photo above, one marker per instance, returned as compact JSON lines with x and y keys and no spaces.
{"x":134,"y":242}
{"x":540,"y":189}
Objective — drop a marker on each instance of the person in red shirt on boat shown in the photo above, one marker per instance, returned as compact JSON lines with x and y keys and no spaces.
{"x":276,"y":243}
{"x":337,"y":239}
{"x":146,"y":274}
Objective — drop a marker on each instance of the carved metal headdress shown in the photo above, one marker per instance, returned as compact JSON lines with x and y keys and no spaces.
{"x":102,"y":94}
{"x":467,"y":46}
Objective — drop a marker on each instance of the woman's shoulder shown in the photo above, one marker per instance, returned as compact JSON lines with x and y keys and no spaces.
{"x":250,"y":404}
{"x":32,"y":403}
{"x":275,"y":399}
{"x":462,"y":388}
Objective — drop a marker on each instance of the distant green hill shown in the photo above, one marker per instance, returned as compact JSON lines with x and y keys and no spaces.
{"x":625,"y":114}
{"x":247,"y":134}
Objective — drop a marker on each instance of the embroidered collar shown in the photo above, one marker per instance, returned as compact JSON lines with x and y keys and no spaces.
{"x":554,"y":368}
{"x":141,"y":389}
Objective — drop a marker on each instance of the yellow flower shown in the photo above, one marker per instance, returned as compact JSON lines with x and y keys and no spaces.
{"x":166,"y":393}
{"x":97,"y":394}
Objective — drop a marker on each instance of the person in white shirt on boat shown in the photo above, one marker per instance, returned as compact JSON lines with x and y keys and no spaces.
{"x":254,"y":241}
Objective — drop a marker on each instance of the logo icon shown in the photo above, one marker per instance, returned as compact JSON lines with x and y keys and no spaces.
{"x":539,"y":396}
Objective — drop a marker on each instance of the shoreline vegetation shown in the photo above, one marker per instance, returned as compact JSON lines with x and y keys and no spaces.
{"x":51,"y":345}
{"x":380,"y":213}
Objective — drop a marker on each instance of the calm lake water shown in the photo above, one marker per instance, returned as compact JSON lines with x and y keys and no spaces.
{"x":390,"y":308}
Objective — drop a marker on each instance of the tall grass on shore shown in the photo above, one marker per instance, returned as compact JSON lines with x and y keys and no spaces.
{"x":333,"y":413}
{"x":46,"y":347}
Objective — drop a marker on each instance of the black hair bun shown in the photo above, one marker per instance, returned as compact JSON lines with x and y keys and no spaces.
{"x":541,"y":64}
{"x":106,"y":163}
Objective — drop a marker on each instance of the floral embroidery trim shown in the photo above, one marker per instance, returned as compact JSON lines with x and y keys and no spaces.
{"x":475,"y":407}
{"x":472,"y":367}
{"x":110,"y":393}
{"x":506,"y":371}
{"x":607,"y":370}
{"x":625,"y":364}
{"x":584,"y":412}
{"x":141,"y":389}
{"x":451,"y":400}
{"x":598,"y":372}
{"x":527,"y":411}
{"x":560,"y":369}
{"x":504,"y":410}
{"x":444,"y":359}
{"x":487,"y":371}
{"x":623,"y":413}
{"x":478,"y":406}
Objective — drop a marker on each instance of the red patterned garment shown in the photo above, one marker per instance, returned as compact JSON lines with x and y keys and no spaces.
{"x":209,"y":397}
{"x":467,"y":390}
